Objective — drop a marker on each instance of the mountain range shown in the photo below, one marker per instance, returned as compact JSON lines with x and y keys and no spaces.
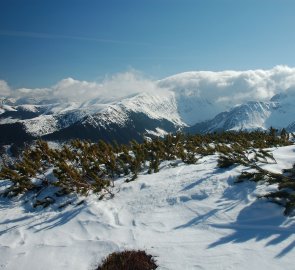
{"x":180,"y":103}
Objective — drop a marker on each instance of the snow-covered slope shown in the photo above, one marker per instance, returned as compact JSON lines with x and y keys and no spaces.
{"x":96,"y":114}
{"x":249,"y":116}
{"x":131,"y":118}
{"x":156,"y":107}
{"x":160,"y":106}
{"x":279,"y":112}
{"x":188,"y":217}
{"x":284,"y":114}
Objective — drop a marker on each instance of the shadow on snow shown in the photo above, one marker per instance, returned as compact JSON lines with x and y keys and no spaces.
{"x":260,"y":220}
{"x":42,"y":221}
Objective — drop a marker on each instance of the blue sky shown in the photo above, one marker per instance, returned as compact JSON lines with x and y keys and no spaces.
{"x":42,"y":42}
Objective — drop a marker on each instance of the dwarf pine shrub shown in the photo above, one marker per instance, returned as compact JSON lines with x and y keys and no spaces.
{"x":83,"y":167}
{"x":285,"y":181}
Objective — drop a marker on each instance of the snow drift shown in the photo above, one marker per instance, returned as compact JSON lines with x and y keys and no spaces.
{"x":189,"y":217}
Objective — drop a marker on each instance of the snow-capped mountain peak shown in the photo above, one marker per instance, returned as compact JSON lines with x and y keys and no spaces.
{"x":200,"y":101}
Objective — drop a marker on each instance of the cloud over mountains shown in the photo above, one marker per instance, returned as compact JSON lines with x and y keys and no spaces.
{"x":225,"y":87}
{"x":234,"y":87}
{"x":110,"y":88}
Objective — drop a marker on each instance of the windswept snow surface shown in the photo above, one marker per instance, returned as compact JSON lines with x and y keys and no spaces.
{"x":189,"y":217}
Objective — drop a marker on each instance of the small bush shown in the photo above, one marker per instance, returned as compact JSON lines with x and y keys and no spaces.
{"x":225,"y":162}
{"x":128,"y":260}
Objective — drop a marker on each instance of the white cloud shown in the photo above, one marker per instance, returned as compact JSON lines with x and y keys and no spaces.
{"x":75,"y":90}
{"x":234,"y":87}
{"x":4,"y":88}
{"x":112,"y":87}
{"x":225,"y":88}
{"x":128,"y":83}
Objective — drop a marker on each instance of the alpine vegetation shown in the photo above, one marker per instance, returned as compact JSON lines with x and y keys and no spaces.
{"x":83,"y":168}
{"x":159,"y":195}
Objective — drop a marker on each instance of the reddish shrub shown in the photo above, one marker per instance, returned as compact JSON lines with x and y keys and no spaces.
{"x":128,"y":260}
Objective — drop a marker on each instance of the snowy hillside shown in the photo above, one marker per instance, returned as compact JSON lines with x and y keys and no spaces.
{"x":156,"y":107}
{"x":141,"y":112}
{"x":188,"y":217}
{"x":249,"y":116}
{"x":278,"y":112}
{"x":46,"y":119}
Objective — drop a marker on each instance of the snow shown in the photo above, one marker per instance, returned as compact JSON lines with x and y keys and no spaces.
{"x":41,"y":125}
{"x":160,"y":106}
{"x":251,"y":115}
{"x":8,"y":108}
{"x":111,"y":114}
{"x":266,"y":114}
{"x":8,"y":120}
{"x":255,"y":115}
{"x":189,"y":217}
{"x":282,"y":115}
{"x":29,"y":107}
{"x":99,"y":112}
{"x":158,"y":132}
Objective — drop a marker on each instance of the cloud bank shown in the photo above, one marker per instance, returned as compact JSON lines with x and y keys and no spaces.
{"x":234,"y":87}
{"x":226,"y":87}
{"x":110,"y":88}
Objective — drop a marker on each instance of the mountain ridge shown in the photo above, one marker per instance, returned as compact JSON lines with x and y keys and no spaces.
{"x":192,"y":102}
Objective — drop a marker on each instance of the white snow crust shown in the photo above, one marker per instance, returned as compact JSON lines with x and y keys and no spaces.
{"x":188,"y":217}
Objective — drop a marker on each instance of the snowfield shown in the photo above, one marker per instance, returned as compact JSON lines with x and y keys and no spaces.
{"x":188,"y":217}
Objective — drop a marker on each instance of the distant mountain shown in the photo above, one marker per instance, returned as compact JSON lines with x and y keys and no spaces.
{"x":249,"y":116}
{"x":130,"y":118}
{"x":279,"y":112}
{"x":192,"y":106}
{"x":192,"y":102}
